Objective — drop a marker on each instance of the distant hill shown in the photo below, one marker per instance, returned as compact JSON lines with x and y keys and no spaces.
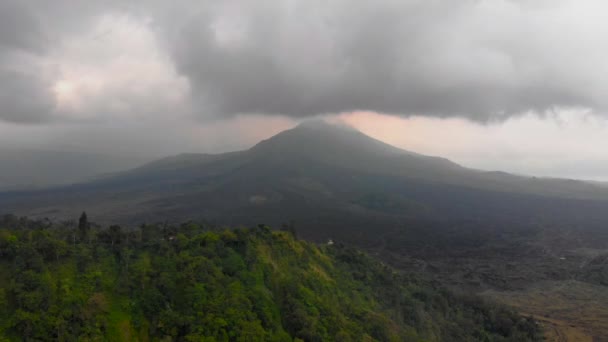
{"x":28,"y":169}
{"x":325,"y":178}
{"x":189,"y":283}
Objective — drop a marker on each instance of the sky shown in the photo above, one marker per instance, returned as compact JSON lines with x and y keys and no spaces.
{"x":513,"y":85}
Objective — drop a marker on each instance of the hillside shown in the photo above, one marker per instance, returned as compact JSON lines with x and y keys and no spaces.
{"x":190,"y":283}
{"x":335,"y":172}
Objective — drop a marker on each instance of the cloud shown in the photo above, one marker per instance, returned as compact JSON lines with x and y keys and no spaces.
{"x":480,"y":60}
{"x":115,"y":70}
{"x":23,"y":97}
{"x":19,"y":27}
{"x":89,"y":62}
{"x":483,"y":60}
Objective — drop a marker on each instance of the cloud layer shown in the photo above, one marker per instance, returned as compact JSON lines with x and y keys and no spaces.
{"x":482,"y":60}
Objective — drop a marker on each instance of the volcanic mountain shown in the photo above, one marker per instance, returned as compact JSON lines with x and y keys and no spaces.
{"x":328,"y":179}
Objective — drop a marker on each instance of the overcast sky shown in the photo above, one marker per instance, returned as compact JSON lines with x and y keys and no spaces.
{"x":513,"y":85}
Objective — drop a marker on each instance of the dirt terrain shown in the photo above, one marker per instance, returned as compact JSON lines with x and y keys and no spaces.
{"x":569,"y":310}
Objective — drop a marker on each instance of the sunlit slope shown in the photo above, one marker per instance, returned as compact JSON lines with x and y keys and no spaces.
{"x":186,"y":283}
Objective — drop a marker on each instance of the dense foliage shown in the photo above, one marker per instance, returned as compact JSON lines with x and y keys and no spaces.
{"x":191,"y":283}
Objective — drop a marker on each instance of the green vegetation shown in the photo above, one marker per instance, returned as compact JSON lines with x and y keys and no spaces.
{"x":192,"y":283}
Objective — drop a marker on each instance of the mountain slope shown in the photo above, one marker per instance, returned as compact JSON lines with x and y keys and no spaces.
{"x":322,"y":176}
{"x":185,"y":283}
{"x":319,"y":144}
{"x":468,"y":229}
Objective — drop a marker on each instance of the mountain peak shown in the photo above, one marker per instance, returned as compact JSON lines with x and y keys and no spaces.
{"x":319,"y":136}
{"x":320,"y":124}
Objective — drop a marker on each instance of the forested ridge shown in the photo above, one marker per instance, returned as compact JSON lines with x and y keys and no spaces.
{"x":78,"y":281}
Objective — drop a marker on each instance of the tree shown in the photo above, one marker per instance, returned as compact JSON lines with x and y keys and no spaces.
{"x":115,"y":234}
{"x":290,"y":228}
{"x":83,"y":227}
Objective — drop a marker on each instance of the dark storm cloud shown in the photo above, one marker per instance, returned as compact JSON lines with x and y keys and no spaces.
{"x":482,"y":60}
{"x":19,"y":27}
{"x":23,"y":95}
